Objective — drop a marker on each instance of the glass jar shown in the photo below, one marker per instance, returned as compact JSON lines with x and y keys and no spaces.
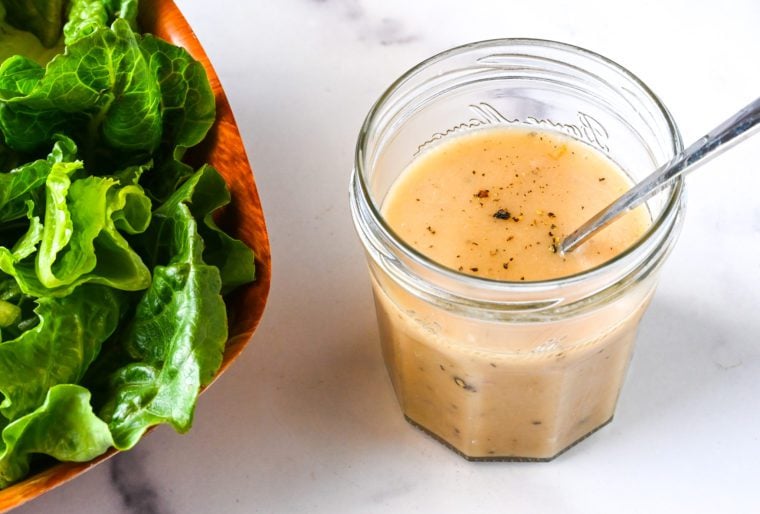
{"x":511,"y":370}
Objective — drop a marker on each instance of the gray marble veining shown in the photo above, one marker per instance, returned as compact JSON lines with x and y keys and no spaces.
{"x":130,"y":480}
{"x":385,"y":31}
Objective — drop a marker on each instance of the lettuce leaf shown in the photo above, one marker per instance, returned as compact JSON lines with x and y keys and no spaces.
{"x":22,"y":195}
{"x":20,"y":186}
{"x":19,"y":41}
{"x":18,"y":76}
{"x":188,"y":107}
{"x":20,"y":315}
{"x":80,"y":238}
{"x":205,"y":192}
{"x":43,"y":18}
{"x":120,"y":96}
{"x":176,"y":339}
{"x":59,"y":349}
{"x":64,"y":427}
{"x":10,"y":310}
{"x":87,"y":16}
{"x":100,"y":92}
{"x":88,"y":246}
{"x":187,"y":101}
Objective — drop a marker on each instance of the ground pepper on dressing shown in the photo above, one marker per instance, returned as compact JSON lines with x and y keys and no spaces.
{"x":495,"y":203}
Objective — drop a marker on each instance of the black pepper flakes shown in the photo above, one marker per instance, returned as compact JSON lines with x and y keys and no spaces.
{"x":483,"y":193}
{"x":464,"y":385}
{"x":502,"y":214}
{"x":551,"y":214}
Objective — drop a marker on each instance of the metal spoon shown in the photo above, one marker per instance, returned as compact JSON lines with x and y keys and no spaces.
{"x":736,"y":128}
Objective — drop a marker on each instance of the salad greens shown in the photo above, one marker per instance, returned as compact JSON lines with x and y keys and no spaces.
{"x":14,"y":41}
{"x":112,"y":268}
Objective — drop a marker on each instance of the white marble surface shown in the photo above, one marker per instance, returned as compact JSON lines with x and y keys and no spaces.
{"x":306,"y":421}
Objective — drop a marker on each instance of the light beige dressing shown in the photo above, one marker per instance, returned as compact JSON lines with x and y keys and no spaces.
{"x":493,"y":203}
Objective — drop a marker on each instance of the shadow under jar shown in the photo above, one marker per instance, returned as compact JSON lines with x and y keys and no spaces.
{"x":511,"y":370}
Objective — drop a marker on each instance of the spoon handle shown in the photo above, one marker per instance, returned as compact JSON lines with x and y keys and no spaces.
{"x":721,"y":138}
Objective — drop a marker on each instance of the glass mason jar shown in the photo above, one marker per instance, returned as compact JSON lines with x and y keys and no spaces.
{"x":511,"y":370}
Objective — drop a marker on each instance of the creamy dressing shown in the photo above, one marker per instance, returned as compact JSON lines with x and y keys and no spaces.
{"x":493,"y":203}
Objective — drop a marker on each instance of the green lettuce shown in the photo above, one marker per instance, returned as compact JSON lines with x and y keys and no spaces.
{"x":135,"y":97}
{"x":204,"y":193}
{"x":101,"y":92}
{"x":59,"y":349}
{"x":43,"y":18}
{"x":20,"y":40}
{"x":169,"y":356}
{"x":35,"y":28}
{"x":87,"y":16}
{"x":112,"y":267}
{"x":81,"y":236}
{"x":63,"y":426}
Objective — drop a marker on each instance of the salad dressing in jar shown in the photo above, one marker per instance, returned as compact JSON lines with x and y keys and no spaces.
{"x":469,"y":170}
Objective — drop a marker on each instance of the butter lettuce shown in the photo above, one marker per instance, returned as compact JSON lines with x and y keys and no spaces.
{"x":112,"y":268}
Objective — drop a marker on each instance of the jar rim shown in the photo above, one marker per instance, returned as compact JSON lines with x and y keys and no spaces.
{"x":668,"y":212}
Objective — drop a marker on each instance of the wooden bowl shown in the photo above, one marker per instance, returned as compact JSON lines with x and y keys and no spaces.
{"x":244,"y":218}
